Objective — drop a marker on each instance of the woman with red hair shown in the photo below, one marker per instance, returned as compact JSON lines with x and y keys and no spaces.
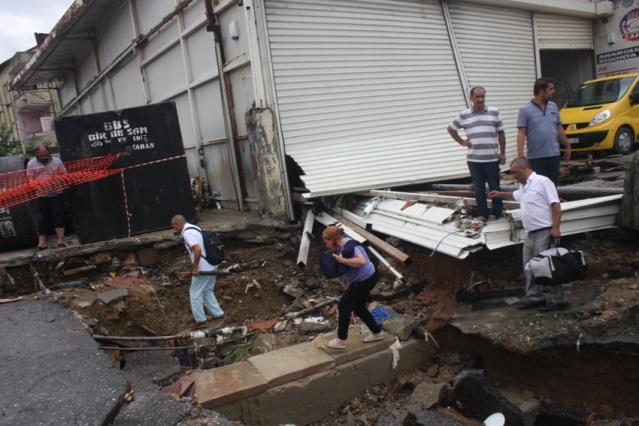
{"x":361,"y":277}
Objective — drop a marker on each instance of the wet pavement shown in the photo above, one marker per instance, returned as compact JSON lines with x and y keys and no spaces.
{"x":52,"y":370}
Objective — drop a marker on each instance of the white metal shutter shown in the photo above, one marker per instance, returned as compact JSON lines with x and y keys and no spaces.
{"x":498,"y":55}
{"x":365,"y":91}
{"x":564,"y":32}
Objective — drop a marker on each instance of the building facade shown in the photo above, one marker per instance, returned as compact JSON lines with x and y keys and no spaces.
{"x":332,"y":96}
{"x":28,"y":111}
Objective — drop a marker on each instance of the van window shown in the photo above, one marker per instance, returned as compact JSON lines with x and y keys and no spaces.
{"x":600,"y":92}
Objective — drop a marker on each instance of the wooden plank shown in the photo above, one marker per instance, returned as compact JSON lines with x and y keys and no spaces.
{"x":372,"y":239}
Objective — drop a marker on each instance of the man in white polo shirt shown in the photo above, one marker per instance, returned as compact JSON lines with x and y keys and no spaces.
{"x":486,"y":143}
{"x":540,"y":216}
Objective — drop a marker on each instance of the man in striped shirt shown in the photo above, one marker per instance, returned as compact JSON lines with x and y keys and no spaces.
{"x":486,"y":144}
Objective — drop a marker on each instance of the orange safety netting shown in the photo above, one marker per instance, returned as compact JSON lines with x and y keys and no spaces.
{"x":17,"y":188}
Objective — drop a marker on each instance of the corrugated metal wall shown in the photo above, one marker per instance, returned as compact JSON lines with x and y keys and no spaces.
{"x":365,"y":91}
{"x":176,"y":63}
{"x":499,"y":56}
{"x":564,"y":32}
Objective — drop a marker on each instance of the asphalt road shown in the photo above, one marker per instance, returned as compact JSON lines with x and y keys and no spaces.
{"x":52,"y":370}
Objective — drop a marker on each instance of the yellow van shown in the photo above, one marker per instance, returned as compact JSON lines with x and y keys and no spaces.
{"x":603,"y":114}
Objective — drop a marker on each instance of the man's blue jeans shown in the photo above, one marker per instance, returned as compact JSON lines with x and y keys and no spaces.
{"x":202,"y":287}
{"x":547,"y":166}
{"x":480,"y":174}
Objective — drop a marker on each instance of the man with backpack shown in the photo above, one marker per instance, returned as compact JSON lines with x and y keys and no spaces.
{"x":202,"y":286}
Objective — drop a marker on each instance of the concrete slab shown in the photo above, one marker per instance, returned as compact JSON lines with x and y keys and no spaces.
{"x":227,"y":384}
{"x":113,"y":296}
{"x":84,"y":301}
{"x":313,"y":397}
{"x":292,"y":363}
{"x":355,"y":347}
{"x":52,"y":370}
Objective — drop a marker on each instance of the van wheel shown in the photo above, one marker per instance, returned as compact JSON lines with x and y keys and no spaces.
{"x":624,"y":139}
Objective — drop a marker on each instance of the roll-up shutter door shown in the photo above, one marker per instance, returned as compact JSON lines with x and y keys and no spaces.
{"x":499,"y":55}
{"x":564,"y":32}
{"x":365,"y":90}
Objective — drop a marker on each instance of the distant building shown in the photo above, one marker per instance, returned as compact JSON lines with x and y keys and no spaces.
{"x":30,"y":110}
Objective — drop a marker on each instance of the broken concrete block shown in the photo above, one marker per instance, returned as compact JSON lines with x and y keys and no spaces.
{"x":306,"y":327}
{"x":312,"y":283}
{"x":400,"y":325}
{"x":428,"y":394}
{"x":528,"y":404}
{"x":147,"y":256}
{"x":113,"y":296}
{"x":101,"y":258}
{"x":130,"y":261}
{"x":84,"y":301}
{"x":417,"y":415}
{"x":447,"y":373}
{"x":414,"y":379}
{"x":478,"y":398}
{"x":293,"y":291}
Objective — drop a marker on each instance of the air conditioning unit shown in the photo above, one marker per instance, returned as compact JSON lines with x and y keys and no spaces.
{"x":604,"y":9}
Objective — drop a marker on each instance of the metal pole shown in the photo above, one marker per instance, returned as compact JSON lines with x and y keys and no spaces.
{"x":562,"y":190}
{"x":385,"y":262}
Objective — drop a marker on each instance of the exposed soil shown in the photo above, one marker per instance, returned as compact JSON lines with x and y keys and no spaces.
{"x":265,"y":261}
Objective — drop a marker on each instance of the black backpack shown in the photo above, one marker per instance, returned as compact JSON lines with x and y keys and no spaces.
{"x":212,"y":246}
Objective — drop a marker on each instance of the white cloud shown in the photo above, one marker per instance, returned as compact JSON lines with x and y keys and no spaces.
{"x":21,"y":19}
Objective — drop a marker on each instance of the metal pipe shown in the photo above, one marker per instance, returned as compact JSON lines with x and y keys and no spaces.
{"x":385,"y":262}
{"x":150,"y":348}
{"x":189,"y":334}
{"x":461,"y":72}
{"x":302,"y":256}
{"x":297,"y":314}
{"x":137,"y":338}
{"x":226,"y":110}
{"x":562,"y":190}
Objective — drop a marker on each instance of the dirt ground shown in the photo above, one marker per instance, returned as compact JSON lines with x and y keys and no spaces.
{"x":264,"y":263}
{"x":158,"y":299}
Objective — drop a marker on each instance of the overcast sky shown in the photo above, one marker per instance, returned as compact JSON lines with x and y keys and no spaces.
{"x":20,"y":19}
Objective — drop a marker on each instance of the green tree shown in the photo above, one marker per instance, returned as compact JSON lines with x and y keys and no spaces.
{"x":8,"y":144}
